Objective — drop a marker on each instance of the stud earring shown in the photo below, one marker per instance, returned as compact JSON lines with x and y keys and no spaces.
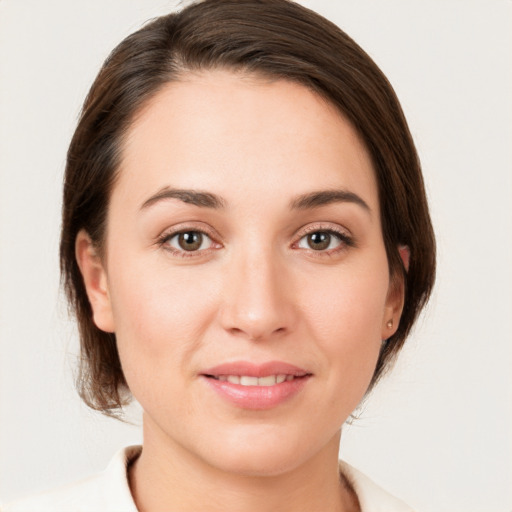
{"x":389,"y":325}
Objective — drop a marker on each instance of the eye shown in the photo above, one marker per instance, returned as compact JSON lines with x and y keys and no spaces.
{"x":321,"y":241}
{"x":189,"y":241}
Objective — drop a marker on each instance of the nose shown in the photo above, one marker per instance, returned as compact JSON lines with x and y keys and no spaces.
{"x":257,"y":296}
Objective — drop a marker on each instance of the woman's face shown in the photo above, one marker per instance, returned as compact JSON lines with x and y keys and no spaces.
{"x":245,"y":275}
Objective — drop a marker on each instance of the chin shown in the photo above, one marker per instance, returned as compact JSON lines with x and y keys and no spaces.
{"x":263,"y":453}
{"x":254,"y":463}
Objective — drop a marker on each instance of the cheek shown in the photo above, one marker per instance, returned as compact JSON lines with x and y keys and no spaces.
{"x":349,"y":306}
{"x":159,"y":315}
{"x":346,"y":321}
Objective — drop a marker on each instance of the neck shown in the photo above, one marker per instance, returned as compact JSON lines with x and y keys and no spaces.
{"x":166,"y":476}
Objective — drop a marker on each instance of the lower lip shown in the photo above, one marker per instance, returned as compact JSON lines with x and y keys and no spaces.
{"x":257,"y":397}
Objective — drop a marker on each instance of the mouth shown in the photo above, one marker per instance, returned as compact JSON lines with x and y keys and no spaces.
{"x":249,"y":386}
{"x":248,"y":380}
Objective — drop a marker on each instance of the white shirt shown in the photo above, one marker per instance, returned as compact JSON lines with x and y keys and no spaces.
{"x":109,"y":491}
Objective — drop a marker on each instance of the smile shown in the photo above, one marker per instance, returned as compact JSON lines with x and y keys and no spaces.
{"x":247,"y":380}
{"x":247,"y":385}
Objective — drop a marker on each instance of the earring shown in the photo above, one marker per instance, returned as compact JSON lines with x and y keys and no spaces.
{"x":389,"y":325}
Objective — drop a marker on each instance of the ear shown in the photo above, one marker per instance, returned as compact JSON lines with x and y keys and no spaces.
{"x":395,"y":298}
{"x":95,"y":279}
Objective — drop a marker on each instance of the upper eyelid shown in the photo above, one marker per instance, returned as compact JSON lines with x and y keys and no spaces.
{"x":323,"y":226}
{"x":189,"y":226}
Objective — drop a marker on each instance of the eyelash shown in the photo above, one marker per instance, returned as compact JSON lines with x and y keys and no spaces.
{"x":164,"y":239}
{"x":346,"y":241}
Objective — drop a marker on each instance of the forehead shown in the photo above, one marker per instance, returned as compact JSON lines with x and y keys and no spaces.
{"x":218,"y":128}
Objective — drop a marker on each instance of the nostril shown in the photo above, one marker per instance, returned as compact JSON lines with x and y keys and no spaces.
{"x":256,"y":334}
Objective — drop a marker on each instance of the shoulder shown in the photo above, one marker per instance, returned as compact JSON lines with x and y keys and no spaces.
{"x":107,"y":491}
{"x":372,"y":497}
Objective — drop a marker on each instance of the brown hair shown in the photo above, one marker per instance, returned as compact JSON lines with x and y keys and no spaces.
{"x":273,"y":38}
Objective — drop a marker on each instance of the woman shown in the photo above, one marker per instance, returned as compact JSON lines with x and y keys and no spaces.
{"x":246,"y":244}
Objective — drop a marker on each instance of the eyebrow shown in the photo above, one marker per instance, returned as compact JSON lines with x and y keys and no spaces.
{"x":326,"y":197}
{"x":194,"y":197}
{"x":303,"y":202}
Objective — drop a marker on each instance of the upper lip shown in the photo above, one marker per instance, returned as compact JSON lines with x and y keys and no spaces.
{"x":256,"y":370}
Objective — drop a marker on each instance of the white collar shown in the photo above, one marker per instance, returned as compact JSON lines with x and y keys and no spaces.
{"x":109,"y":491}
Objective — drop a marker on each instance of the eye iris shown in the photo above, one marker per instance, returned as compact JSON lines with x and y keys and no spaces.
{"x":319,"y":240}
{"x":190,"y":241}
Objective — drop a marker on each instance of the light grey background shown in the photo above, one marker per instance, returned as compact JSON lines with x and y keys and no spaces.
{"x":437,"y":432}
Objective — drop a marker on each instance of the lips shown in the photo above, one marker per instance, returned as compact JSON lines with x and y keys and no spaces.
{"x":247,"y":380}
{"x":250,"y":386}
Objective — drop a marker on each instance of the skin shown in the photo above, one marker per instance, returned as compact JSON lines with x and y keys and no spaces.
{"x":257,"y":292}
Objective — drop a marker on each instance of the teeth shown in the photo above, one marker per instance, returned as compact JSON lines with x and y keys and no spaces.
{"x":267,"y":381}
{"x":246,"y":380}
